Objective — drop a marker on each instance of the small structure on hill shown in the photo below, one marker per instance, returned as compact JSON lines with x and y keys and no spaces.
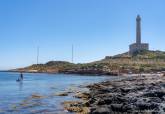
{"x":138,"y":46}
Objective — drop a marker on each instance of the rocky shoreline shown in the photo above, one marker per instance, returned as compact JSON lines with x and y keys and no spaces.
{"x":143,"y":94}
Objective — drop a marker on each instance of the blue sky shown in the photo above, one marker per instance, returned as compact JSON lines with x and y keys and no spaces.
{"x":96,"y":28}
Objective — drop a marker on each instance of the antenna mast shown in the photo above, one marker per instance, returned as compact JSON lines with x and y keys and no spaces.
{"x":72,"y":52}
{"x":38,"y":50}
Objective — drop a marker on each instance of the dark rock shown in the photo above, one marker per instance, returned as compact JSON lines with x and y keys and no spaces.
{"x":117,"y":107}
{"x":163,"y":85}
{"x":125,"y":90}
{"x":127,"y":108}
{"x":135,"y":95}
{"x":92,"y":100}
{"x":119,"y":99}
{"x":101,"y":110}
{"x":147,"y":106}
{"x":103,"y":101}
{"x":155,"y":99}
{"x":164,"y":109}
{"x":140,"y":88}
{"x":105,"y":90}
{"x":159,"y":94}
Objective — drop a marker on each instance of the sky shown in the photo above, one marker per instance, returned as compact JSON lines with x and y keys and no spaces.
{"x":96,"y":28}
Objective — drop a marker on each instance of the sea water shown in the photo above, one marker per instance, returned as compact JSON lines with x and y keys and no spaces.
{"x":16,"y":97}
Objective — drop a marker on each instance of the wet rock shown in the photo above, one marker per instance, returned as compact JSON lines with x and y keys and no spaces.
{"x":14,"y":106}
{"x":73,"y":109}
{"x":83,"y":95}
{"x":2,"y":111}
{"x":53,"y":88}
{"x":76,"y":106}
{"x":37,"y":96}
{"x":30,"y":104}
{"x":62,"y":94}
{"x":73,"y":106}
{"x":43,"y":111}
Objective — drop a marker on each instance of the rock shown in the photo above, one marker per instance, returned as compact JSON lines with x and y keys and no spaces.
{"x":1,"y":111}
{"x":62,"y":94}
{"x":73,"y":106}
{"x":156,"y":100}
{"x":139,"y":88}
{"x":104,"y":95}
{"x":159,"y":94}
{"x":164,"y":109}
{"x":147,"y":106}
{"x":117,"y":107}
{"x":125,"y":90}
{"x":127,"y":108}
{"x":104,"y":101}
{"x":83,"y":95}
{"x":30,"y":104}
{"x":74,"y":109}
{"x":43,"y":111}
{"x":37,"y":96}
{"x":118,"y":99}
{"x":128,"y":95}
{"x":101,"y":110}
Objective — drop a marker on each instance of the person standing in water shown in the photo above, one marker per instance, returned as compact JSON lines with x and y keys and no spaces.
{"x":21,"y":76}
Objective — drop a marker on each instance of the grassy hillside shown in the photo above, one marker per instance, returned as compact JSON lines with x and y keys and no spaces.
{"x":51,"y":66}
{"x":144,"y":61}
{"x":147,"y":61}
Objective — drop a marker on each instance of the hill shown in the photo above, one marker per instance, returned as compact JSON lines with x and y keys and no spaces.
{"x":144,"y":61}
{"x":50,"y":67}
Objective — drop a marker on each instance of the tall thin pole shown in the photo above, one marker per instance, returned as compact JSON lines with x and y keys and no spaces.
{"x":72,"y":53}
{"x":38,"y":51}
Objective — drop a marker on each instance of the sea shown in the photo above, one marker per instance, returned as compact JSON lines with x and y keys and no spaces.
{"x":38,"y":92}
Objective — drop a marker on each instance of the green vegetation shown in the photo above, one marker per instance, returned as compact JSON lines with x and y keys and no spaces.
{"x":150,"y":55}
{"x":144,"y":61}
{"x":51,"y":66}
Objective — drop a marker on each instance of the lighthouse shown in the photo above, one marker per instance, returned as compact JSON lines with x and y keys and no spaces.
{"x":138,"y":46}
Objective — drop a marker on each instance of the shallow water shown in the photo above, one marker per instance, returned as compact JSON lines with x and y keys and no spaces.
{"x":16,"y":97}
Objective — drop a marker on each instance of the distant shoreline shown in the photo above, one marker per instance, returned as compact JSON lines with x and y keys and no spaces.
{"x":89,"y":74}
{"x":92,"y":74}
{"x":148,"y":62}
{"x":56,"y":73}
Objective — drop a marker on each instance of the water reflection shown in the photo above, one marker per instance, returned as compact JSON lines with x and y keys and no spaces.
{"x":20,"y":84}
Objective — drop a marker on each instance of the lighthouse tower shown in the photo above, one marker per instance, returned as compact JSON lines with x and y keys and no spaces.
{"x":138,"y":46}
